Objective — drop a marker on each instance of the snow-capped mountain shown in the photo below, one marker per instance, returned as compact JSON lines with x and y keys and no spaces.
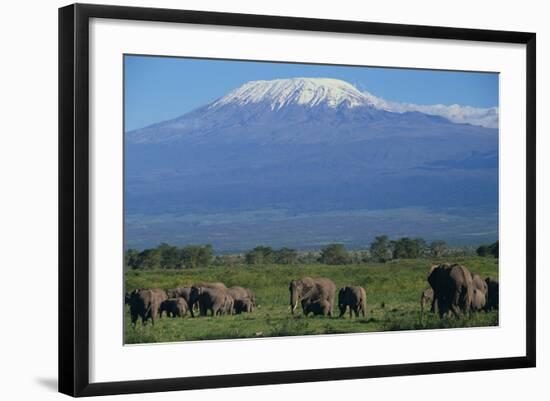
{"x":301,"y":145}
{"x":303,"y":91}
{"x":298,"y":110}
{"x":483,"y":116}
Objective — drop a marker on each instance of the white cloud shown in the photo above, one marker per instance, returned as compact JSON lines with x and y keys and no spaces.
{"x":485,"y":117}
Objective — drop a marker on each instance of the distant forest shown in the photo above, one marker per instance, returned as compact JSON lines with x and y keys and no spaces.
{"x":381,"y":250}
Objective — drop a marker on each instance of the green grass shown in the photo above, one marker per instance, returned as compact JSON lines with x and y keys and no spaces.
{"x":393,"y":295}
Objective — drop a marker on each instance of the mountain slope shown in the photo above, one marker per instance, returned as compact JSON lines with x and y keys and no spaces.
{"x":304,"y":145}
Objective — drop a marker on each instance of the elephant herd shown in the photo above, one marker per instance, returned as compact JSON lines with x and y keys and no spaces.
{"x":453,"y":289}
{"x":317,"y":296}
{"x":213,"y":298}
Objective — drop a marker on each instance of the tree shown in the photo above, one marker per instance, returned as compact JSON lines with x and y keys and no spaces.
{"x":493,"y":249}
{"x":380,"y":249}
{"x":408,"y":248}
{"x":438,"y":248}
{"x":286,"y":256}
{"x":488,"y":250}
{"x":132,"y":259}
{"x":334,"y":254}
{"x":170,"y":256}
{"x":259,"y":255}
{"x":194,"y":256}
{"x":483,"y":250}
{"x":150,"y":259}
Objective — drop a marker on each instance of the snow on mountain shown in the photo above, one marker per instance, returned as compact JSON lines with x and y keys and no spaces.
{"x":303,"y":91}
{"x":311,"y":110}
{"x":484,"y":117}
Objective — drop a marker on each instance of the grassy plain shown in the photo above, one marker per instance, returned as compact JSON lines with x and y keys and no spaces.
{"x":393,"y":301}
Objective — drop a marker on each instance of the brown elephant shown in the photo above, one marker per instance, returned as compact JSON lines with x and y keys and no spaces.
{"x":174,"y":307}
{"x":480,"y":293}
{"x":216,"y":300}
{"x":243,"y":306}
{"x":187,"y":294}
{"x":355,"y":298}
{"x":317,"y":289}
{"x":478,"y":300}
{"x":196,"y":289}
{"x":453,"y":288}
{"x":243,"y":298}
{"x":492,"y":294}
{"x":427,"y":298}
{"x":145,"y":304}
{"x":319,"y":307}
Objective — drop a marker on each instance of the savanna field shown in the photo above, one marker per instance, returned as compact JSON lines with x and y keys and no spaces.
{"x":393,"y":300}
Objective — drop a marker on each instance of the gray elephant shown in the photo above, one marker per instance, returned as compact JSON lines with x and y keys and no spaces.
{"x":243,"y":298}
{"x":196,"y":289}
{"x":453,"y":288}
{"x":145,"y":304}
{"x":492,"y":294}
{"x":174,"y":307}
{"x":243,"y":306}
{"x":427,"y":298}
{"x":479,"y":300}
{"x":321,"y":289}
{"x":480,"y":293}
{"x":355,"y":298}
{"x":187,"y":294}
{"x":216,"y":300}
{"x":319,"y":307}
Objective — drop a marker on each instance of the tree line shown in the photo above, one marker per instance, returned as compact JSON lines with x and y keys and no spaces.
{"x":382,"y":249}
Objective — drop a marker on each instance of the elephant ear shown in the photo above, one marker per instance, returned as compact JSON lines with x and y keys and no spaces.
{"x":434,"y":271}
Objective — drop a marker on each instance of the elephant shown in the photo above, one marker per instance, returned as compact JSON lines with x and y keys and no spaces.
{"x":175,"y":307}
{"x":480,"y":293}
{"x":196,"y":289}
{"x":453,"y":288}
{"x":355,"y":298}
{"x":312,"y":288}
{"x":492,"y":294}
{"x":228,"y":305}
{"x":243,"y":305}
{"x":217,"y":284}
{"x":319,"y":307}
{"x":187,"y":294}
{"x":215,"y":300}
{"x":145,"y":304}
{"x":242,"y":297}
{"x":479,"y":300}
{"x":426,"y":298}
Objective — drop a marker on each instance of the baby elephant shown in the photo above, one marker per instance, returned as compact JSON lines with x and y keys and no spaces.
{"x":427,"y":298}
{"x":243,"y":306}
{"x":319,"y":307}
{"x":355,"y":298}
{"x":174,"y":307}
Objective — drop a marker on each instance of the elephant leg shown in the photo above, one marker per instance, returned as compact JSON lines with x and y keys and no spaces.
{"x":134,"y":317}
{"x":455,"y":304}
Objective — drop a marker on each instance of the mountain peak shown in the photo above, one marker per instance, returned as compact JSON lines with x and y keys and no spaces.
{"x":303,"y":91}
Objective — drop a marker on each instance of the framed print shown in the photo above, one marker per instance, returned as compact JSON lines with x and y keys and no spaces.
{"x":278,"y":199}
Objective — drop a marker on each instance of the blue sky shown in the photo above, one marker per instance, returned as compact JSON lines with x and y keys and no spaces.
{"x":161,"y":88}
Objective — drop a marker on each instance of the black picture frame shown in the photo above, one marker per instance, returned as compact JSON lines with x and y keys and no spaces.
{"x":74,"y":201}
